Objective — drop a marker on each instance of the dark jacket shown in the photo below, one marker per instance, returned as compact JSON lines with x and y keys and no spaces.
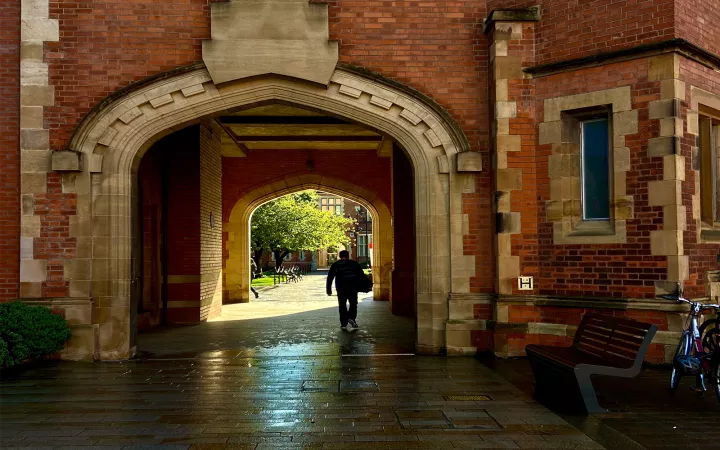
{"x":346,"y":274}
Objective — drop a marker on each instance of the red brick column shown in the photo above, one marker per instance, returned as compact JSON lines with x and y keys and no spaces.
{"x":9,"y":156}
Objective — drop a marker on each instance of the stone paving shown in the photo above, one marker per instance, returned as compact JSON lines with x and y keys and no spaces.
{"x":295,"y":381}
{"x":289,"y":319}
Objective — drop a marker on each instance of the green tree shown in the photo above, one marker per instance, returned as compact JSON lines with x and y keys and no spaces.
{"x":293,"y":223}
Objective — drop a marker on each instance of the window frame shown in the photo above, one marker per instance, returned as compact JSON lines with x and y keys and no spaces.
{"x":711,"y":117}
{"x":362,"y":245}
{"x":592,"y":227}
{"x":583,"y":203}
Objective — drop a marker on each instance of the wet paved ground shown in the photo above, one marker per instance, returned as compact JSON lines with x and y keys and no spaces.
{"x":293,"y":319}
{"x":256,"y":379}
{"x":296,"y":381}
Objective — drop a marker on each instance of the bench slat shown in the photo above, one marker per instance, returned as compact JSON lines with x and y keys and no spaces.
{"x":611,"y":338}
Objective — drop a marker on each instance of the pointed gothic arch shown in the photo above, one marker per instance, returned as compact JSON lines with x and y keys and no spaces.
{"x":119,"y":130}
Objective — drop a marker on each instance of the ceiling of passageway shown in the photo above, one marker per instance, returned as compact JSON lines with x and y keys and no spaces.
{"x":287,"y":127}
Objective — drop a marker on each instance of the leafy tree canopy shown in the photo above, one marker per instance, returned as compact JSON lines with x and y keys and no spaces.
{"x":293,"y":223}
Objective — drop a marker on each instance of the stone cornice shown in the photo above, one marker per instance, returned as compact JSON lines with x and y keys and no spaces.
{"x":593,"y":303}
{"x":676,"y":45}
{"x":531,"y":14}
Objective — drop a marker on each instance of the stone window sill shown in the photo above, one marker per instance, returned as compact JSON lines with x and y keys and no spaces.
{"x":708,"y":234}
{"x":593,"y":228}
{"x":592,"y":232}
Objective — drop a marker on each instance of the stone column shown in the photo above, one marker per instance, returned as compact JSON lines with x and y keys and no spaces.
{"x":511,"y":34}
{"x":35,"y":94}
{"x":668,"y":191}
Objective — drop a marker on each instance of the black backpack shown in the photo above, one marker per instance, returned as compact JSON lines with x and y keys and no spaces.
{"x":364,"y":283}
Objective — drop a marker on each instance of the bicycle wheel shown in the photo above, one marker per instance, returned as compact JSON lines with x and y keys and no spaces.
{"x":710,"y":324}
{"x":711,"y":341}
{"x":682,"y":349}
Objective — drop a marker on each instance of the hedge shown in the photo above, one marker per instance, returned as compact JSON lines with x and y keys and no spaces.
{"x":28,"y":332}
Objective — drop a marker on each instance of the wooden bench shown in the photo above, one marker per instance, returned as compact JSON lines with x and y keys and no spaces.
{"x":603,"y":345}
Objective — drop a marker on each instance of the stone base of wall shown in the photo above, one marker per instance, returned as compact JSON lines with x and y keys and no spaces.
{"x":78,"y":312}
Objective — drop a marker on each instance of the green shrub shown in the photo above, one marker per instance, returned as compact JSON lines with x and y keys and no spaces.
{"x":28,"y":332}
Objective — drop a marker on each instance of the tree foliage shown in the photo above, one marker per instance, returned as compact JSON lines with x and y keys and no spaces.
{"x":293,"y":223}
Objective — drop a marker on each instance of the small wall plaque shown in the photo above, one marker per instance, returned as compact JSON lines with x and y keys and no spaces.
{"x":525,"y":283}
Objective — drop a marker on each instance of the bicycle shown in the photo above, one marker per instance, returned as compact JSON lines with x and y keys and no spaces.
{"x":698,"y":353}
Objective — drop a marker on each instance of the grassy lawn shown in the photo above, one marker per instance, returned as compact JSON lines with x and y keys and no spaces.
{"x":267,"y":281}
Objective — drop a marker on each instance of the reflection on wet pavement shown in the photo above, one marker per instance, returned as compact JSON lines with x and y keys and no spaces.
{"x":325,"y":402}
{"x":294,"y":381}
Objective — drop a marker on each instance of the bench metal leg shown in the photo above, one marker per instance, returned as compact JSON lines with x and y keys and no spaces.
{"x":588,"y":393}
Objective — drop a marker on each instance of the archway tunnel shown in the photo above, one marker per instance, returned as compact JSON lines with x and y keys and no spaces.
{"x":198,"y":187}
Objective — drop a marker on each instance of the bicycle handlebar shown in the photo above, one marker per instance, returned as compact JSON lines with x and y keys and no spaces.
{"x":684,"y":300}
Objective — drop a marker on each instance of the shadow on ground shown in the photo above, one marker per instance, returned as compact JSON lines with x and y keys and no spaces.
{"x":643,"y":413}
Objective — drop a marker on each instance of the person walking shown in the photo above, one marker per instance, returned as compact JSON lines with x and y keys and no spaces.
{"x":253,"y":273}
{"x":347,"y":275}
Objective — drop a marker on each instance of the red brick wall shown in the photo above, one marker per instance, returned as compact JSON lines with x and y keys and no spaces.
{"x":698,"y":21}
{"x":584,"y":27}
{"x":438,"y":48}
{"x":516,"y":341}
{"x":360,"y":167}
{"x":106,"y":45}
{"x":55,"y":243}
{"x":183,"y":231}
{"x":609,"y":270}
{"x":702,"y":257}
{"x":9,"y":149}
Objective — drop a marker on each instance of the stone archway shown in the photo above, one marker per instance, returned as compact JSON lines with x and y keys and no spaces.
{"x":115,"y":135}
{"x":237,"y":228}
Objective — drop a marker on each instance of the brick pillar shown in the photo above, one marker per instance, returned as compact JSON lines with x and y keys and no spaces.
{"x":194,"y":241}
{"x":182,"y":160}
{"x":210,"y":225}
{"x":511,"y":34}
{"x":10,"y":156}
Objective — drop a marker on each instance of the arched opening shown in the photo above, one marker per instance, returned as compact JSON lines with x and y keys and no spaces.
{"x":237,"y":243}
{"x":196,"y":199}
{"x":116,"y":135}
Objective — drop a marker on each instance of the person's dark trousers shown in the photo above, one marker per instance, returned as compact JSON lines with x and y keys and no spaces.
{"x":343,"y":298}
